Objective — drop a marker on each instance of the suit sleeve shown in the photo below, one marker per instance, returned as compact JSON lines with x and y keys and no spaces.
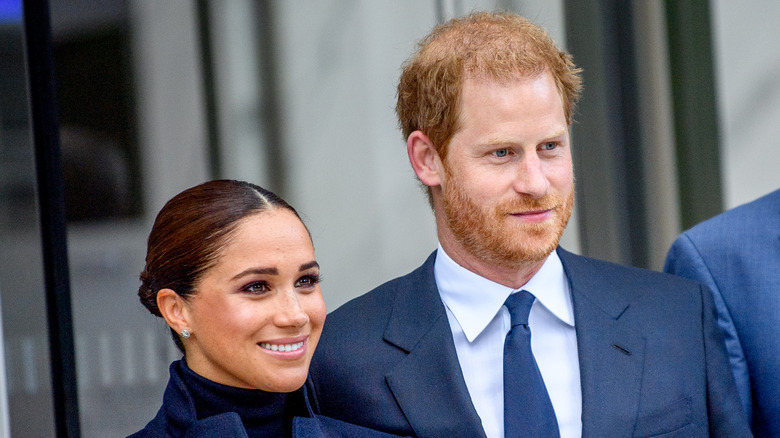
{"x":685,"y":260}
{"x":726,"y":414}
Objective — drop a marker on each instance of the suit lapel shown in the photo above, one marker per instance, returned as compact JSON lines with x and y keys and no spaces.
{"x":428,"y":385}
{"x":611,"y":351}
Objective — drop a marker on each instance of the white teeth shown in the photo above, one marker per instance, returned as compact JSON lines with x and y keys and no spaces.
{"x":281,"y":347}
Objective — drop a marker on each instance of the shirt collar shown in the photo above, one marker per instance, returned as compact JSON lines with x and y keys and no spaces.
{"x":474,"y":300}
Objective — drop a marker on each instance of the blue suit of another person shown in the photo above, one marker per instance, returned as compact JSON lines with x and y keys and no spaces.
{"x":737,"y":254}
{"x":652,"y":359}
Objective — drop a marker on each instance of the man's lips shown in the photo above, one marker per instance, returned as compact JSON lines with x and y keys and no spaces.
{"x":533,"y":215}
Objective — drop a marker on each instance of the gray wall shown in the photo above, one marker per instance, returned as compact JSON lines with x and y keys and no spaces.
{"x":747,"y":69}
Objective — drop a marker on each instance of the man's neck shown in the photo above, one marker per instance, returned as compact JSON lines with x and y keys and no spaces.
{"x":512,"y":277}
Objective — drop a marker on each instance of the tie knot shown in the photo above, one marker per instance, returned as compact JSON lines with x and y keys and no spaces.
{"x":519,"y":305}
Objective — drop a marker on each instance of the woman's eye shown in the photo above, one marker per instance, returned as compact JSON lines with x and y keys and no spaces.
{"x":256,"y":288}
{"x":501,"y":153}
{"x":307,"y":281}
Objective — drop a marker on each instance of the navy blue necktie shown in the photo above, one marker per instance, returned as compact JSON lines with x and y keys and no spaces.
{"x":528,"y":411}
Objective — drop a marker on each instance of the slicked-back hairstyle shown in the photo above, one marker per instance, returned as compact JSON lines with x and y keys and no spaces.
{"x":496,"y":46}
{"x":190,"y":232}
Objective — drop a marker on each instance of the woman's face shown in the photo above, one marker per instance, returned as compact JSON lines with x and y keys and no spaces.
{"x":257,"y":315}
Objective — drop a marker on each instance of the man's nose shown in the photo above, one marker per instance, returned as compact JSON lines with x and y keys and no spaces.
{"x":530,"y":178}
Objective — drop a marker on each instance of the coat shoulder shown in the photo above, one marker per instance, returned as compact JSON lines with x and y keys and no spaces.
{"x":321,"y":427}
{"x":586,"y":271}
{"x":749,"y":219}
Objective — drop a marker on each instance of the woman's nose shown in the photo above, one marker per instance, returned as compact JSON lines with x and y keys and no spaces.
{"x":290,"y":312}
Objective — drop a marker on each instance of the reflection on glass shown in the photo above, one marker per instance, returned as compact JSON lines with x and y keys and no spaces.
{"x":121,"y":357}
{"x":25,"y":342}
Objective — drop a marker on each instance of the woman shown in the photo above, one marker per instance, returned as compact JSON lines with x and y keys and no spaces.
{"x":231,"y":269}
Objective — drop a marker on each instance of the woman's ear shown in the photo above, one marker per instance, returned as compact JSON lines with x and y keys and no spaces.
{"x":174,"y":310}
{"x":424,"y":159}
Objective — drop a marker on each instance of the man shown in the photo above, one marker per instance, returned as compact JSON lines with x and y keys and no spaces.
{"x":737,"y":254}
{"x":486,"y":105}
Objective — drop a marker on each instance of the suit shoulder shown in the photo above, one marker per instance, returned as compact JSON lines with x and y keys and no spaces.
{"x":654,"y":301}
{"x":587,"y":267}
{"x":736,"y":224}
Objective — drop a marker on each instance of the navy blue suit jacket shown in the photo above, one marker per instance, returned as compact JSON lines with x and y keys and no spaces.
{"x":652,"y":360}
{"x":737,"y":254}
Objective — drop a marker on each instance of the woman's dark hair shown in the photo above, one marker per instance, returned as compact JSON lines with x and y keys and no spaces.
{"x":191,"y":230}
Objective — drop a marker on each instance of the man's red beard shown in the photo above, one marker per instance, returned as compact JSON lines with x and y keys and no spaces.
{"x":493,"y":236}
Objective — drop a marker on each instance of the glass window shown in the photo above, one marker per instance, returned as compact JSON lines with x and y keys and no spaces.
{"x":25,"y":388}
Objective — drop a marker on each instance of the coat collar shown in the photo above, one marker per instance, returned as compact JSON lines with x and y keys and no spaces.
{"x":178,"y":415}
{"x":431,"y":367}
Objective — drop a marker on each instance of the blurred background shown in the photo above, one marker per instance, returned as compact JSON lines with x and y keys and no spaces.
{"x":677,"y":123}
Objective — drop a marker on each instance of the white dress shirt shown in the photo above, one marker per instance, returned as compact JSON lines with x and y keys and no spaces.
{"x":480,"y":321}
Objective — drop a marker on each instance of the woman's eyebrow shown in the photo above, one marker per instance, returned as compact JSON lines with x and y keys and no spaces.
{"x":312,"y":264}
{"x":251,"y":271}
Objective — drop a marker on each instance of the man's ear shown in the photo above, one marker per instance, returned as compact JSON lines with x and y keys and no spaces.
{"x":424,"y":159}
{"x":174,"y":310}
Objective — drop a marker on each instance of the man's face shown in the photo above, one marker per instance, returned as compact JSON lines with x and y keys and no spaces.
{"x":508,"y":183}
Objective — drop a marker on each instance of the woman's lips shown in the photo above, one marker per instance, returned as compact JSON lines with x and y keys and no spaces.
{"x":281,"y":347}
{"x":287,"y":348}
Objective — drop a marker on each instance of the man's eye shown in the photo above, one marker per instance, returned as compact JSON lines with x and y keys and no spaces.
{"x":549,"y":145}
{"x":501,"y":153}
